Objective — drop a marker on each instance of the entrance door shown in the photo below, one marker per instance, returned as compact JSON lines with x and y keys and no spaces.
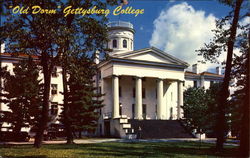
{"x":144,"y":111}
{"x":107,"y":128}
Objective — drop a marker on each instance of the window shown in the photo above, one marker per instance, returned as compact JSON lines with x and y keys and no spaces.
{"x":120,"y":91}
{"x":99,"y":74}
{"x":53,"y":89}
{"x":100,"y":90}
{"x":211,"y":83}
{"x":133,"y":111}
{"x":155,"y":109}
{"x":114,"y":43}
{"x":54,"y":72}
{"x":54,"y":108}
{"x":195,"y":84}
{"x":171,"y":113}
{"x":133,"y":92}
{"x":143,"y":93}
{"x":120,"y":108}
{"x":124,"y":42}
{"x":144,"y":111}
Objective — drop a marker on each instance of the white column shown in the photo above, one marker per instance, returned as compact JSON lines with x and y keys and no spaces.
{"x":180,"y":99}
{"x":159,"y":99}
{"x":115,"y":88}
{"x":138,"y":98}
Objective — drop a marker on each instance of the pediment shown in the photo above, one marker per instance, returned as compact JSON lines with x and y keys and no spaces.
{"x":151,"y":55}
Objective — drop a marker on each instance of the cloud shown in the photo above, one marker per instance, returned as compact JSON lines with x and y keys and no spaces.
{"x":180,"y":30}
{"x":141,"y":28}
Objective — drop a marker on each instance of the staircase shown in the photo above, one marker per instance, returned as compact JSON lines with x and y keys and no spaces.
{"x":122,"y":128}
{"x":157,"y":129}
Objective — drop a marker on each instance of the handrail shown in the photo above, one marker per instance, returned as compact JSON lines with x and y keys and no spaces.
{"x":120,"y":24}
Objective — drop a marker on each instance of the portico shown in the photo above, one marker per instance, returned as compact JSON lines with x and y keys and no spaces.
{"x":162,"y":93}
{"x":143,"y":89}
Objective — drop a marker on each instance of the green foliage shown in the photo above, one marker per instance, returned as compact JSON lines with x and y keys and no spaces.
{"x":200,"y":108}
{"x":240,"y":73}
{"x":22,"y":90}
{"x":84,"y":99}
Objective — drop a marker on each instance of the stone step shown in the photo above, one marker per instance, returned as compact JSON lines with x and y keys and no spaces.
{"x":129,"y":131}
{"x":126,"y":125}
{"x":123,"y":120}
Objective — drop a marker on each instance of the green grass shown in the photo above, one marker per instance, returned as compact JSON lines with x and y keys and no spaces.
{"x":129,"y":150}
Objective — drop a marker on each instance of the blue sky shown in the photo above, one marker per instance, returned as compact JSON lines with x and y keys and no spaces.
{"x":147,"y":34}
{"x":152,"y":9}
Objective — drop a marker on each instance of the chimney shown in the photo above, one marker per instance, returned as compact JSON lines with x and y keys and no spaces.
{"x":97,"y":57}
{"x":2,"y":48}
{"x":195,"y":68}
{"x":218,"y":70}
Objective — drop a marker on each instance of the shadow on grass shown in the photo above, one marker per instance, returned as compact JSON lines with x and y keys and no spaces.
{"x":38,"y":156}
{"x":135,"y":149}
{"x":158,"y":150}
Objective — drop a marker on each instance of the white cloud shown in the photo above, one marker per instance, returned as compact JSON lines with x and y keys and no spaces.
{"x":180,"y":30}
{"x":141,"y":28}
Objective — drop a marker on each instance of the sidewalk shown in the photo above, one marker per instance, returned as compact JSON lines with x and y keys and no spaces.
{"x":106,"y":140}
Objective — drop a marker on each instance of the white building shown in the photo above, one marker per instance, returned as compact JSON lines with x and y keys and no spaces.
{"x":145,"y":84}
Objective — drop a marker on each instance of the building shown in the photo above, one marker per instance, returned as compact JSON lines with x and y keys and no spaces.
{"x":142,"y":87}
{"x":145,"y":84}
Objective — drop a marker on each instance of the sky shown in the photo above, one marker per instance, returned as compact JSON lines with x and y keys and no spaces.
{"x":177,"y":27}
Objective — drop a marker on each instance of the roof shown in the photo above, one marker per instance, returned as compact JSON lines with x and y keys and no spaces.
{"x":14,"y":56}
{"x":205,"y":74}
{"x":161,"y":55}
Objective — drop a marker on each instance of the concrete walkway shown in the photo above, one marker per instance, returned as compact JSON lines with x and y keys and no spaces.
{"x":105,"y":140}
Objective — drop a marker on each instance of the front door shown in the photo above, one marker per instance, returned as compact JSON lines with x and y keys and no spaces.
{"x":107,"y":128}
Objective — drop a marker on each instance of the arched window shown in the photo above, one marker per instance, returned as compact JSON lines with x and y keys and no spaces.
{"x":114,"y":43}
{"x":124,"y":42}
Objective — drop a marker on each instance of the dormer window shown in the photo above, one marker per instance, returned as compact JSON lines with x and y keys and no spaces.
{"x":114,"y":43}
{"x":124,"y":42}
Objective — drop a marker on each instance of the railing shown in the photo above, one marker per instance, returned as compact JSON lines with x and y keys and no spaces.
{"x":120,"y":24}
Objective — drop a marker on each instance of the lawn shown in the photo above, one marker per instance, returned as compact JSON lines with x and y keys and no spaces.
{"x":161,"y":149}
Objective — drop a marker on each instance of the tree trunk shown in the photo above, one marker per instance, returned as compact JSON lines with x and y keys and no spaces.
{"x":244,"y":135}
{"x":80,"y":134}
{"x":42,"y":124}
{"x":17,"y":130}
{"x":221,"y":122}
{"x":66,"y":108}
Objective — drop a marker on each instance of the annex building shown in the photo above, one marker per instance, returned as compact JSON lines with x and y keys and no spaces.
{"x":143,"y":88}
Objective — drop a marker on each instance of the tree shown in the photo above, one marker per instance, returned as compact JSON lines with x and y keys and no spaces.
{"x":34,"y":34}
{"x":200,"y":108}
{"x":195,"y":108}
{"x":52,"y":36}
{"x":223,"y":40}
{"x":80,"y":36}
{"x":22,"y":90}
{"x":84,"y":100}
{"x":239,"y":103}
